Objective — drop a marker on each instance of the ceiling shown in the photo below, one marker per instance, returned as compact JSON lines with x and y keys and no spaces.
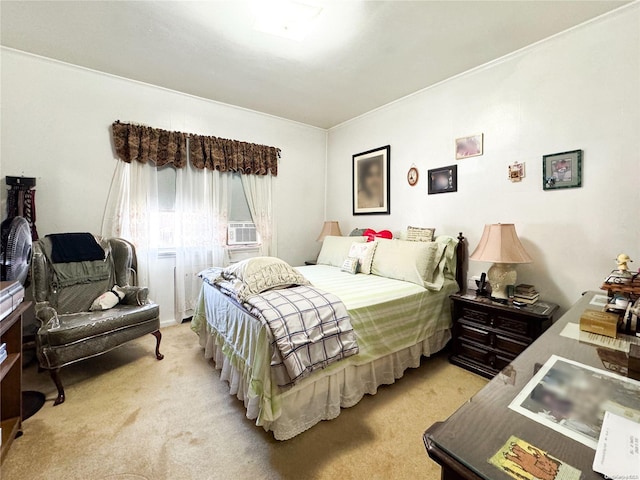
{"x":358,"y":55}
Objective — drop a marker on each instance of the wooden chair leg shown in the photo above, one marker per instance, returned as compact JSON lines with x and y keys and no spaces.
{"x":158,"y":336}
{"x":55,"y":376}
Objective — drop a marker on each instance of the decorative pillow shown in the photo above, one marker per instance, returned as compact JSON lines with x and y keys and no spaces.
{"x":135,"y":295}
{"x":417,"y":234}
{"x":372,"y":234}
{"x":357,"y":232}
{"x":364,"y":253}
{"x":414,"y":262}
{"x":336,"y":249}
{"x":350,"y":265}
{"x":259,"y":274}
{"x":108,"y":299}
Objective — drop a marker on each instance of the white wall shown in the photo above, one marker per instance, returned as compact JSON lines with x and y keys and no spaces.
{"x":579,"y":90}
{"x":55,"y":127}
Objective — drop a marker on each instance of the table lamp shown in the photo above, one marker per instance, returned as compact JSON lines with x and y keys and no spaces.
{"x":500,"y":244}
{"x":330,"y":228}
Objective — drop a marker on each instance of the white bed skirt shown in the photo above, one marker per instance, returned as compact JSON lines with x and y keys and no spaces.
{"x":321,"y":397}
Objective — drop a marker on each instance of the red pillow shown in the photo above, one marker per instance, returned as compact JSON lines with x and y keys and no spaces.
{"x":372,"y":234}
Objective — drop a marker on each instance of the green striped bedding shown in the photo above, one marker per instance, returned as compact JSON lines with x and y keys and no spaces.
{"x":387,"y":315}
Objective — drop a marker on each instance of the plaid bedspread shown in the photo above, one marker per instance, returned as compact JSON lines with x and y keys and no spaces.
{"x":310,"y":329}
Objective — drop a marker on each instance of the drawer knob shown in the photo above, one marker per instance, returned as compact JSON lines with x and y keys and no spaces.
{"x":492,"y":360}
{"x":492,"y":340}
{"x":491,"y":322}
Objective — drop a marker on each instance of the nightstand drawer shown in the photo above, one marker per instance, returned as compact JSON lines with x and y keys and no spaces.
{"x":478,"y":354}
{"x":491,"y":338}
{"x":477,"y":316}
{"x":512,"y":325}
{"x":497,"y":322}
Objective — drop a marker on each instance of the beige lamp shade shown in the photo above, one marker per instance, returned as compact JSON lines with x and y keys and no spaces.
{"x":329,"y":229}
{"x":500,"y":244}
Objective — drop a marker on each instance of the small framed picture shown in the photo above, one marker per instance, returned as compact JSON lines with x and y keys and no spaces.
{"x":443,"y":180}
{"x":516,"y":172}
{"x":562,"y":170}
{"x":469,"y":146}
{"x":371,"y":183}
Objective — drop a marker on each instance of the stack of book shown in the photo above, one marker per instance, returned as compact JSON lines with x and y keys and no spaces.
{"x":3,"y":352}
{"x":526,"y":294}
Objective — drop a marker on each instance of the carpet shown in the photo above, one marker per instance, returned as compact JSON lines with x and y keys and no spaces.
{"x":128,"y":416}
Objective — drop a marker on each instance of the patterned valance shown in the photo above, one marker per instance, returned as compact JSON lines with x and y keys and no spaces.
{"x":162,"y":147}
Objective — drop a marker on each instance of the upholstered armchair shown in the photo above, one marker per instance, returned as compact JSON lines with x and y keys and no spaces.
{"x":64,"y":292}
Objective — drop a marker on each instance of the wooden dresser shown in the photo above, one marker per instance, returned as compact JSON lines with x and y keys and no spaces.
{"x":487,"y":336}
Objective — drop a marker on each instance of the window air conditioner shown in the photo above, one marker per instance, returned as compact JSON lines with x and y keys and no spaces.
{"x":242,"y":234}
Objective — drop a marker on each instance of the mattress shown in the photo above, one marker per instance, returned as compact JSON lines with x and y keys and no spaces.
{"x":388,"y":316}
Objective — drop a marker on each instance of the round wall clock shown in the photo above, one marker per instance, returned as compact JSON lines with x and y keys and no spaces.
{"x":412,"y":176}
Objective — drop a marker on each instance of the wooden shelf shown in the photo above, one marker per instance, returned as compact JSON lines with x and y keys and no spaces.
{"x":5,"y":367}
{"x":11,"y":378}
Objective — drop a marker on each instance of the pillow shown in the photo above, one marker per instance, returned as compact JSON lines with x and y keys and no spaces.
{"x":364,"y":253}
{"x":414,"y":262}
{"x":108,"y":299}
{"x":336,"y":249}
{"x":350,"y":265}
{"x":357,"y":232}
{"x":417,"y":234}
{"x":259,"y":274}
{"x":372,"y":234}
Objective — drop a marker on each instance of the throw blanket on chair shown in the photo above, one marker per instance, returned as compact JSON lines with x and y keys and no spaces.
{"x":310,"y":329}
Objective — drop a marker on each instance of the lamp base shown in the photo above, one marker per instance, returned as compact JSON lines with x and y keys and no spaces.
{"x":500,"y":275}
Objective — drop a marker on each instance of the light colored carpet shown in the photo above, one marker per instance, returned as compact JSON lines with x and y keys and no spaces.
{"x":128,"y":416}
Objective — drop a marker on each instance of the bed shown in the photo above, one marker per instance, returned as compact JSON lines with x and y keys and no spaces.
{"x":395,"y":321}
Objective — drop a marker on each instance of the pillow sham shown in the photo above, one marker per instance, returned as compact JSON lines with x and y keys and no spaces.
{"x":259,"y":274}
{"x":414,"y":262}
{"x":336,"y":249}
{"x":350,"y":265}
{"x":108,"y":299}
{"x":418,"y":234}
{"x":357,"y":232}
{"x":364,"y":252}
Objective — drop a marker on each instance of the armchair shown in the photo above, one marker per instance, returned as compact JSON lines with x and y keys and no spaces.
{"x":63,"y":292}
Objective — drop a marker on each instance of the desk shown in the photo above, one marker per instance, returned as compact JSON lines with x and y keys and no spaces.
{"x":463,"y":443}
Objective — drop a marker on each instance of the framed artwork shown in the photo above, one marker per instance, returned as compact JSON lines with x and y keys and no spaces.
{"x":516,"y":172}
{"x":443,"y":180}
{"x":412,"y":176}
{"x":469,"y":146}
{"x":562,"y":170}
{"x":371,"y":185}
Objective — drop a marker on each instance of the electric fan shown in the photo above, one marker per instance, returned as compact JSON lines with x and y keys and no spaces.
{"x":15,"y":256}
{"x":16,"y":250}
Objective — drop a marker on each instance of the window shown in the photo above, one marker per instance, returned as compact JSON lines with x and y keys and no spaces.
{"x":238,"y":206}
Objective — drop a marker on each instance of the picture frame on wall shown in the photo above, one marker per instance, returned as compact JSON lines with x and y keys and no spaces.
{"x":472,"y":146}
{"x":371,"y":183}
{"x":443,"y":180}
{"x":562,"y":170}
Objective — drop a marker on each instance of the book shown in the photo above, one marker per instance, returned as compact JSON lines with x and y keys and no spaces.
{"x":528,"y":301}
{"x":523,"y":287}
{"x":529,"y":296}
{"x":3,"y":356}
{"x":3,"y":347}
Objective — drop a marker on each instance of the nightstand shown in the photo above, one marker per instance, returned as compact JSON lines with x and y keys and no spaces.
{"x":487,"y":335}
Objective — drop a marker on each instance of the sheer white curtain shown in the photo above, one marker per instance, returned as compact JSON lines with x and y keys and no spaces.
{"x":258,"y":190}
{"x":200,"y":231}
{"x":196,"y":230}
{"x":132,"y":213}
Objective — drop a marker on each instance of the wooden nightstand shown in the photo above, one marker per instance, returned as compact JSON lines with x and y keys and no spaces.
{"x":487,"y":335}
